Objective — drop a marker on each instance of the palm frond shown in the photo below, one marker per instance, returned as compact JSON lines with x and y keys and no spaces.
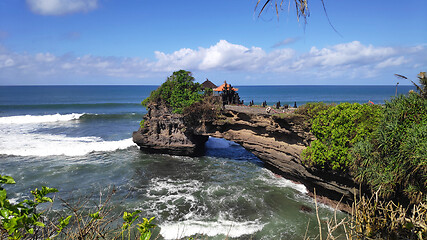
{"x":400,"y":76}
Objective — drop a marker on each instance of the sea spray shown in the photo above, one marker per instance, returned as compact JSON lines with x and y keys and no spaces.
{"x":39,"y":118}
{"x":226,"y":193}
{"x":22,"y":137}
{"x":234,"y":229}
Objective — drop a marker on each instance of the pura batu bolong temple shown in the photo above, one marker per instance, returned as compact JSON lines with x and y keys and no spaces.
{"x":208,"y":84}
{"x":277,"y":140}
{"x":228,"y":94}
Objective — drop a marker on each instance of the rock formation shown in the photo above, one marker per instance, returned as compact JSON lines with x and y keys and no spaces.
{"x":165,"y":132}
{"x":277,"y":140}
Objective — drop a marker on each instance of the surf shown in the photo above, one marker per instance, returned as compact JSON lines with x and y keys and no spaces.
{"x":28,"y":135}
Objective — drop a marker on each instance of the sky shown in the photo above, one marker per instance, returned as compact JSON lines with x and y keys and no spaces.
{"x":100,"y":42}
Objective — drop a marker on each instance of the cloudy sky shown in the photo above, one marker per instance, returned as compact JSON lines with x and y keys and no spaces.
{"x":143,"y":42}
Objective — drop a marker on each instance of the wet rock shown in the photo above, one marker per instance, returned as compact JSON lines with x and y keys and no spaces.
{"x":305,"y":209}
{"x":277,"y":141}
{"x":165,"y":132}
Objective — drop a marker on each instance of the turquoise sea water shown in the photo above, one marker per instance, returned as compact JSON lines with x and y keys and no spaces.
{"x":78,"y":139}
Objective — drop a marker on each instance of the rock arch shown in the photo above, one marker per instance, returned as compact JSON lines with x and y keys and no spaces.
{"x":277,"y":140}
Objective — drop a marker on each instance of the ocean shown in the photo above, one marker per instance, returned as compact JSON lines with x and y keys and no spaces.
{"x":78,"y":139}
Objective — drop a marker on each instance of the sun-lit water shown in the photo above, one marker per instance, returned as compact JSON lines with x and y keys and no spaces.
{"x":78,"y":139}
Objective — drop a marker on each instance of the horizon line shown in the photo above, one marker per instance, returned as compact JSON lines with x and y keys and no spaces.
{"x":156,"y":85}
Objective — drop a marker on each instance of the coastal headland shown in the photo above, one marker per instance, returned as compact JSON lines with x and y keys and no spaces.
{"x":277,"y":139}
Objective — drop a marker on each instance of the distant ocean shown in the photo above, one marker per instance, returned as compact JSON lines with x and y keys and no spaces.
{"x":78,"y":139}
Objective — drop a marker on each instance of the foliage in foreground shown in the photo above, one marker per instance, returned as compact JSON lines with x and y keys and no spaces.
{"x":394,"y":160}
{"x":337,"y":129}
{"x":372,"y":218}
{"x":24,"y":220}
{"x":384,"y":147}
{"x":21,"y":219}
{"x":178,"y":92}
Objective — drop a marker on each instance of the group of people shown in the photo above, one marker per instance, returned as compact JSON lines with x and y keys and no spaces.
{"x":277,"y":105}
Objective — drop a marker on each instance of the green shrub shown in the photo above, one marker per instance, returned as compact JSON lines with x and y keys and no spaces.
{"x":178,"y":92}
{"x":24,"y":220}
{"x":20,"y":220}
{"x":311,"y":109}
{"x":337,"y":129}
{"x":394,"y":160}
{"x":199,"y":112}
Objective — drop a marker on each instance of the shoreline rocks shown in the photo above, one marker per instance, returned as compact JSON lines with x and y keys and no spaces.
{"x":278,"y":141}
{"x":165,"y":132}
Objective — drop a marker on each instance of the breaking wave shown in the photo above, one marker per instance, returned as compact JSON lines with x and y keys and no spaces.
{"x":25,"y":119}
{"x":176,"y":230}
{"x":20,"y":136}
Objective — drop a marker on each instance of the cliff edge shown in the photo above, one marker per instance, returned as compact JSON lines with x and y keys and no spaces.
{"x":276,"y":139}
{"x":163,"y":131}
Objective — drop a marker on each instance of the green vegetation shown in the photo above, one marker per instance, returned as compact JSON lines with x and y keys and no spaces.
{"x":394,"y":160}
{"x":142,"y":123}
{"x":178,"y":92}
{"x":20,"y":220}
{"x":422,"y":88}
{"x":383,"y":147}
{"x":206,"y":110}
{"x":337,"y":129}
{"x":24,"y":220}
{"x":310,"y":110}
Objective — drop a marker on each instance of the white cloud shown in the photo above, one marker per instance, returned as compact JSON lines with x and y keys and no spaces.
{"x":45,"y":57}
{"x":344,"y":55}
{"x":390,"y":62}
{"x":352,"y":60}
{"x":61,"y":7}
{"x":222,"y":56}
{"x":285,"y":42}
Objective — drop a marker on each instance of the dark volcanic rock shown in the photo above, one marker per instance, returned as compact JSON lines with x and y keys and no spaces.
{"x":277,"y":140}
{"x":165,"y":132}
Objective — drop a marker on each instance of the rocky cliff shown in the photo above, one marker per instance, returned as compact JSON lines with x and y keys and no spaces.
{"x":277,"y":140}
{"x":165,"y":132}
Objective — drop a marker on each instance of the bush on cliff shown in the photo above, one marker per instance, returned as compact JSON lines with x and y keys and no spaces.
{"x":337,"y":129}
{"x":178,"y":92}
{"x":199,"y":112}
{"x":312,"y":109}
{"x":384,"y":147}
{"x":394,"y":161}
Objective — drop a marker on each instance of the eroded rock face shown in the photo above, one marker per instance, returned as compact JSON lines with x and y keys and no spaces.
{"x":277,"y":140}
{"x":165,"y":132}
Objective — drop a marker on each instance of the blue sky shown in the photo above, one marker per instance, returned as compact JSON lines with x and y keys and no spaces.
{"x":142,"y":42}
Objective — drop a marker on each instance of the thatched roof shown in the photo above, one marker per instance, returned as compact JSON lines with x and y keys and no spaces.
{"x":208,"y":84}
{"x":221,"y":88}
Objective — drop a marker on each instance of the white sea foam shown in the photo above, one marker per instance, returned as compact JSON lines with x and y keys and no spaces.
{"x":166,"y":192}
{"x":39,"y":119}
{"x":175,"y":230}
{"x":276,"y":180}
{"x":19,"y":137}
{"x":218,"y":143}
{"x":46,"y":145}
